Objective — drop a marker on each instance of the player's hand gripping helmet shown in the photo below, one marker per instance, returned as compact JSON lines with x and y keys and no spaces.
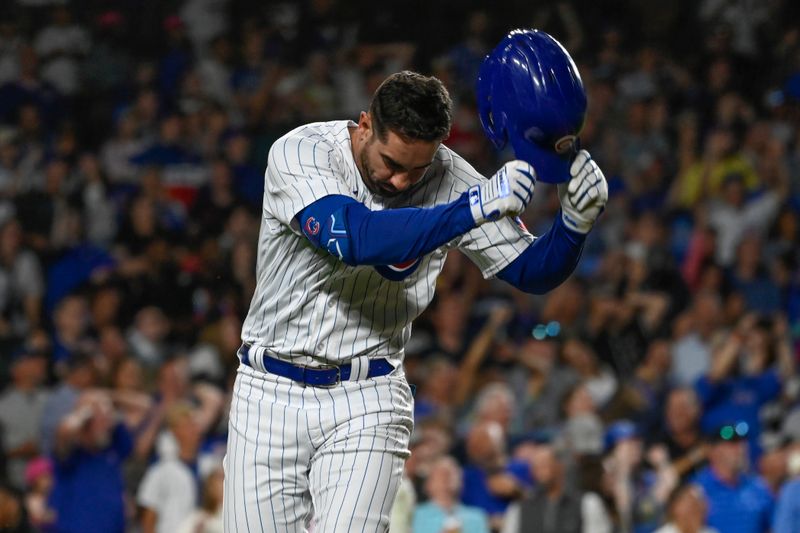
{"x":531,"y":95}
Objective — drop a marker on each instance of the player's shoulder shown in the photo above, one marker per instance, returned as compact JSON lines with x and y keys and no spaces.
{"x":327,"y":133}
{"x":326,"y":140}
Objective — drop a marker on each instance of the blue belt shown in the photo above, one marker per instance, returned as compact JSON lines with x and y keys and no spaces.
{"x":315,"y":376}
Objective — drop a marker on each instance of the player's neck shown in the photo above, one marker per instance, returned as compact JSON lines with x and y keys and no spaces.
{"x":354,"y":143}
{"x":355,"y":149}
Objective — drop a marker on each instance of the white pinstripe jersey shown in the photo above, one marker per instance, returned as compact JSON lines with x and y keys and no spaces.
{"x":308,"y":305}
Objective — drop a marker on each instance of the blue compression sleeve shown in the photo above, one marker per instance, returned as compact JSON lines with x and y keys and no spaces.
{"x":547,"y":262}
{"x":359,"y":236}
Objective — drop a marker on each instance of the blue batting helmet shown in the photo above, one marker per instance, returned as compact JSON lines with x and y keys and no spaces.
{"x":531,"y":95}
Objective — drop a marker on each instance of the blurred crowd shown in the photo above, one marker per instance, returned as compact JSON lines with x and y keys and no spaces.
{"x":655,"y":390}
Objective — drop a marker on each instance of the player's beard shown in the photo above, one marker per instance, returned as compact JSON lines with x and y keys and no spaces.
{"x":374,"y":186}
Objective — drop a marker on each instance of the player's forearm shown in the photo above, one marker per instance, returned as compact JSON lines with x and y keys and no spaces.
{"x":358,"y":236}
{"x":398,"y":235}
{"x":547,"y":262}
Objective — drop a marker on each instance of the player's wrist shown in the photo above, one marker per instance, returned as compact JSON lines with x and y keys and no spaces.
{"x":570,"y":233}
{"x":477,"y":205}
{"x":575,"y":221}
{"x":463,"y":213}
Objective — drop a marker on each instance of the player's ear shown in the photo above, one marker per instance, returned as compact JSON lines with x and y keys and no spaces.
{"x":365,"y":126}
{"x":365,"y":121}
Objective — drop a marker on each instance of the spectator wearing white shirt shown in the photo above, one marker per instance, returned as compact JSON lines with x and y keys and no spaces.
{"x":61,"y":46}
{"x":733,"y":215}
{"x":208,"y":517}
{"x":168,"y":492}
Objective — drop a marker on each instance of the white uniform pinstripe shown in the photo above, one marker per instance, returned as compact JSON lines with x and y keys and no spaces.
{"x":342,"y":447}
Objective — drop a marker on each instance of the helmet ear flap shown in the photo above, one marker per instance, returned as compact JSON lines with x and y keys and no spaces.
{"x":492,"y":120}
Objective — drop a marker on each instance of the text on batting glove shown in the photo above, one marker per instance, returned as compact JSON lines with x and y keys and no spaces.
{"x":507,"y":193}
{"x":584,"y":196}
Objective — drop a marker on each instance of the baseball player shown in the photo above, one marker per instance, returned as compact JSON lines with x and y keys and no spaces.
{"x":357,"y":221}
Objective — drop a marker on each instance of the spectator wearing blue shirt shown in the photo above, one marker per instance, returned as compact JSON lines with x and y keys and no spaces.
{"x":787,"y":509}
{"x":787,"y":513}
{"x":491,"y":480}
{"x":738,"y":502}
{"x":750,"y":277}
{"x":731,"y":393}
{"x":89,"y":451}
{"x":443,"y":511}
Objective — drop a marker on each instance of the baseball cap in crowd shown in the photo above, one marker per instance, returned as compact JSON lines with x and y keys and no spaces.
{"x":619,"y":431}
{"x":729,"y":432}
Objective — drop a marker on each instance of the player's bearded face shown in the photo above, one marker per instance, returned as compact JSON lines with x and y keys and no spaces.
{"x":389,"y":168}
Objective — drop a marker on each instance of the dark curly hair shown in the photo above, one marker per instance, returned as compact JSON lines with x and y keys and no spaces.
{"x":412,"y":106}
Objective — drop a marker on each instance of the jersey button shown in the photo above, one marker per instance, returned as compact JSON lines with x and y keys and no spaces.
{"x":331,"y":303}
{"x":320,"y":346}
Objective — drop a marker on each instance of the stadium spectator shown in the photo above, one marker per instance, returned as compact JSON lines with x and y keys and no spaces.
{"x":553,"y":506}
{"x":491,"y":479}
{"x":731,"y":393}
{"x":749,"y":277}
{"x":116,"y":152}
{"x":208,"y":517}
{"x":443,"y":512}
{"x":29,"y":99}
{"x":39,"y":484}
{"x":21,"y":282}
{"x":21,"y":408}
{"x":546,"y":383}
{"x":691,"y":351}
{"x":79,"y":376}
{"x":61,"y":46}
{"x":582,"y":430}
{"x":639,"y":487}
{"x":129,"y":393}
{"x":687,"y":511}
{"x":787,"y":507}
{"x":435,"y":395}
{"x":495,"y":403}
{"x":732,"y":215}
{"x":600,"y":382}
{"x":168,"y":492}
{"x":738,"y":501}
{"x":681,"y":432}
{"x":89,"y":450}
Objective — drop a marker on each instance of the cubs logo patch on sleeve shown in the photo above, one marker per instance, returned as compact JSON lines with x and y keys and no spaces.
{"x":312,"y":226}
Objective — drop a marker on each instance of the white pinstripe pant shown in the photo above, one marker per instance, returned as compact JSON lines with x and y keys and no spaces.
{"x":295,"y":452}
